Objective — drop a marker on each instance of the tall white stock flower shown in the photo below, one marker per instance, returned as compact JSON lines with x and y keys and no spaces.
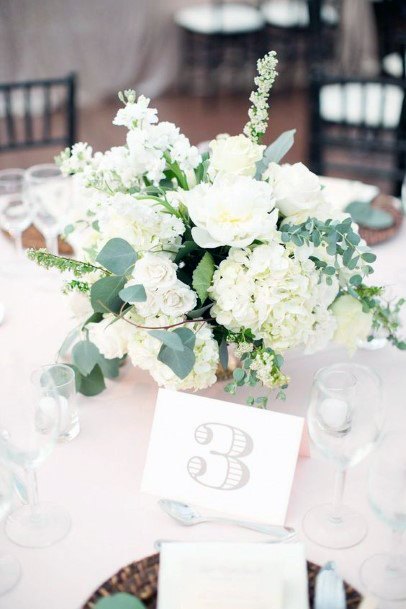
{"x":235,"y":155}
{"x":136,"y":113}
{"x":234,"y":210}
{"x":143,"y":350}
{"x":296,"y":188}
{"x":265,"y":289}
{"x":110,"y":336}
{"x":258,"y":112}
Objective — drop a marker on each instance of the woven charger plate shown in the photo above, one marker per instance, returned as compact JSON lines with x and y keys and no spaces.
{"x":140,"y":578}
{"x":375,"y":236}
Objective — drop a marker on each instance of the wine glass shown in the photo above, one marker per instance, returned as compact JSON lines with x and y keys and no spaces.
{"x":15,"y":213}
{"x":345,"y":418}
{"x":47,"y":191}
{"x":29,"y":428}
{"x":384,"y":575}
{"x":9,"y":566}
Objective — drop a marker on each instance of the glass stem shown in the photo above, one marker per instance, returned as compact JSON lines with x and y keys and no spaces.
{"x":52,"y":244}
{"x":339,"y":486}
{"x":32,"y":487}
{"x":393,"y":560}
{"x":18,"y":241}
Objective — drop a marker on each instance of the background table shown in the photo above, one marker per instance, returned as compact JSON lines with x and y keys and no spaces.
{"x":97,"y":476}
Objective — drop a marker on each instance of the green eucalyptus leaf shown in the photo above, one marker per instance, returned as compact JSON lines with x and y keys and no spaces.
{"x":187,"y":248}
{"x":78,"y":376}
{"x":369,"y":217}
{"x":68,"y":342}
{"x":368,"y":257}
{"x":133,"y":293}
{"x":169,"y":339}
{"x":202,"y":276}
{"x":180,"y":362}
{"x":223,"y":352}
{"x":187,"y":336}
{"x":276,"y":151}
{"x":199,"y":312}
{"x":93,"y":383}
{"x":85,"y":356}
{"x":238,"y":375}
{"x":109,"y":367}
{"x":104,"y":294}
{"x":117,"y":256}
{"x":121,"y":600}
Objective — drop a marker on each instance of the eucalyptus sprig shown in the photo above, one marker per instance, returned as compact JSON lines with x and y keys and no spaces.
{"x":385,"y":313}
{"x":50,"y":261}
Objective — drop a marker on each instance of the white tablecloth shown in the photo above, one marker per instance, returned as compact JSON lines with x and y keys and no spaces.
{"x":97,"y":476}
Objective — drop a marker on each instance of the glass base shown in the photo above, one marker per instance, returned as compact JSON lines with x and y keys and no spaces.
{"x":385,"y":576}
{"x":321,"y":527}
{"x":10,"y":573}
{"x":38,"y":528}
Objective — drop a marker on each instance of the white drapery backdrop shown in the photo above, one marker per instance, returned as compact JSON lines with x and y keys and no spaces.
{"x":114,"y":44}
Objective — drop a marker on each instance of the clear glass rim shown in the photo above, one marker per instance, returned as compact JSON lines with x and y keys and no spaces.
{"x":11,"y":175}
{"x":46,"y":367}
{"x":350,"y":370}
{"x":43,"y":167}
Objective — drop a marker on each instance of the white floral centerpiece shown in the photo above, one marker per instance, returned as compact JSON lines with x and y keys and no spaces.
{"x":183,"y":254}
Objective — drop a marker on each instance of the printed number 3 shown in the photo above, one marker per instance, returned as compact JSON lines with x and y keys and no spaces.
{"x":225,"y":470}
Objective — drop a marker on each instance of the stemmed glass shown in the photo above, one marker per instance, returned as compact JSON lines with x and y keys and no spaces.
{"x":9,"y":566}
{"x":384,"y":575}
{"x":15,"y":213}
{"x":29,"y":427}
{"x":47,"y":191}
{"x":345,"y":418}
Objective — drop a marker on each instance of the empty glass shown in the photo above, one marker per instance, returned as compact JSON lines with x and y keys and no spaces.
{"x":48,"y":192}
{"x":63,"y":379}
{"x":9,"y":566}
{"x":15,"y":212}
{"x":384,"y":575}
{"x":29,"y":428}
{"x":345,"y":418}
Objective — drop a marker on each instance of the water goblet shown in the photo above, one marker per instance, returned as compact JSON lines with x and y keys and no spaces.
{"x":29,"y":428}
{"x":48,"y":192}
{"x":384,"y":575}
{"x":345,"y":418}
{"x":63,"y":378}
{"x":9,"y":566}
{"x":15,"y":213}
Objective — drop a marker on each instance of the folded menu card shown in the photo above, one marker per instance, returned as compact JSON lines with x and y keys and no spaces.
{"x":232,"y":576}
{"x":222,"y":456}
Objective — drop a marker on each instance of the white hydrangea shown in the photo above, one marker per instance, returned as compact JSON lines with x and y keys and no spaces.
{"x":234,"y":210}
{"x":143,"y":351}
{"x":140,"y":222}
{"x":110,"y":336}
{"x":270,"y":292}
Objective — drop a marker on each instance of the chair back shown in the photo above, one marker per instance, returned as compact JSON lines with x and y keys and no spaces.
{"x":358,"y":127}
{"x":37,"y":113}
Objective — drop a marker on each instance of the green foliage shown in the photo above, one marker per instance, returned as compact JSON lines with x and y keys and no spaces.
{"x":370,"y":217}
{"x":49,"y":261}
{"x":203,"y":275}
{"x":121,"y":600}
{"x":385,"y":314}
{"x":177,"y":349}
{"x":117,"y":256}
{"x":133,"y":293}
{"x":276,"y":151}
{"x":169,"y":339}
{"x":85,"y":356}
{"x":104,"y":294}
{"x":93,"y":383}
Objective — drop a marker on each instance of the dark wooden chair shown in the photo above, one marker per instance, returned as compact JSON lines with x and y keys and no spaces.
{"x":390,"y":18}
{"x":37,"y":113}
{"x":358,"y":128}
{"x":220,"y":44}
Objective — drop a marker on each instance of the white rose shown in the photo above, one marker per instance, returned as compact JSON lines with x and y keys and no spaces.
{"x":296,"y":189}
{"x":110,"y":338}
{"x":236,"y":155}
{"x":234,"y":210}
{"x":155,"y":271}
{"x":178,"y":300}
{"x":353,"y":324}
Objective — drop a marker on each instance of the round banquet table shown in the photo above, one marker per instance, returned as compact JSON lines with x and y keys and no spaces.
{"x":97,"y":476}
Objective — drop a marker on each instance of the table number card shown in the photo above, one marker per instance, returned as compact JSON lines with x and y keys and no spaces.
{"x":227,"y":457}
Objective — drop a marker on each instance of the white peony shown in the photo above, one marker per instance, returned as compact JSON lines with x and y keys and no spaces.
{"x":232,"y":211}
{"x":235,"y":155}
{"x":110,"y":336}
{"x":353,"y":324}
{"x":143,"y":351}
{"x":154,"y":270}
{"x":296,"y":188}
{"x":270,"y":292}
